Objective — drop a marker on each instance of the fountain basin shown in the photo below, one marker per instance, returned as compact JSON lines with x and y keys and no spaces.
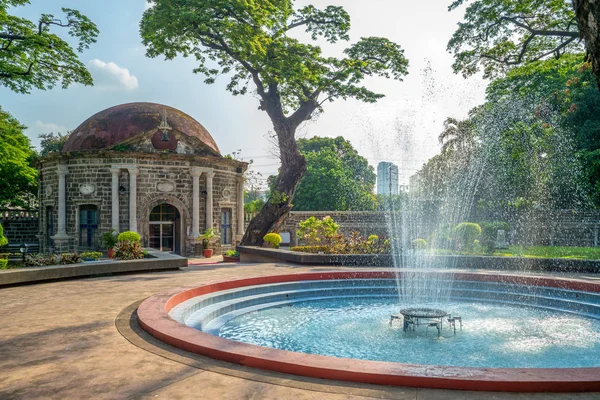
{"x":215,"y":304}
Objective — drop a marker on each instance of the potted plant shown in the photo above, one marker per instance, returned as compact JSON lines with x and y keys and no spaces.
{"x":206,"y":237}
{"x":109,"y":241}
{"x":91,"y":255}
{"x":231,"y":256}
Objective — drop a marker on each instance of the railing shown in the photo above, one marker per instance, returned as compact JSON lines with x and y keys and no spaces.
{"x":17,"y":214}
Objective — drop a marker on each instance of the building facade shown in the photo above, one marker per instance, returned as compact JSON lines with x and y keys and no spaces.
{"x":387,"y":178}
{"x":143,"y":167}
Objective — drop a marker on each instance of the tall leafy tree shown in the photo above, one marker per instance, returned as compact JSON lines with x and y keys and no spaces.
{"x":497,"y":35}
{"x":254,"y":43}
{"x":337,"y":177}
{"x":458,"y":135}
{"x":18,"y":182}
{"x":32,"y":56}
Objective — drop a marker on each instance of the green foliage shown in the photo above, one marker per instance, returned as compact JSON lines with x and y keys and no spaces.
{"x":109,"y":239}
{"x":337,"y":177}
{"x":251,"y":42}
{"x":3,"y":239}
{"x":129,"y":236}
{"x":35,"y":57}
{"x":41,"y":260}
{"x":91,"y":254}
{"x":273,"y":239}
{"x":207,"y":237}
{"x":316,"y":231}
{"x":232,"y":253}
{"x":129,"y":250}
{"x":254,"y":206}
{"x":310,"y":249}
{"x":121,"y":147}
{"x":52,"y":143}
{"x":419,"y":244}
{"x":19,"y":178}
{"x":497,"y":35}
{"x":489,"y":234}
{"x":3,"y":263}
{"x":466,"y":233}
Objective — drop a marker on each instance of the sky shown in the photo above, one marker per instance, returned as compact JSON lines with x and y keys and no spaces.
{"x":401,"y":128}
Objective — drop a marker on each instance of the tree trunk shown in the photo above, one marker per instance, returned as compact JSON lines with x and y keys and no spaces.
{"x":293,"y":165}
{"x":588,"y":19}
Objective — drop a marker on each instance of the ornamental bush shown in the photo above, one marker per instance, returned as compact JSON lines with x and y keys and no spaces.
{"x":128,"y":250}
{"x":129,"y":236}
{"x":3,"y":263}
{"x":489,"y":233}
{"x":273,"y":239}
{"x":316,"y":231}
{"x":310,"y":249}
{"x":419,"y":244}
{"x":232,"y":253}
{"x":3,"y":239}
{"x":91,"y":254}
{"x":42,"y":260}
{"x":465,"y":234}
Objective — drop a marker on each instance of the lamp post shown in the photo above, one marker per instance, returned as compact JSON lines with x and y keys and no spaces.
{"x":23,"y":250}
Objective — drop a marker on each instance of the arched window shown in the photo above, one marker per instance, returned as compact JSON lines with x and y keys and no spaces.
{"x":163,"y":228}
{"x":88,"y":226}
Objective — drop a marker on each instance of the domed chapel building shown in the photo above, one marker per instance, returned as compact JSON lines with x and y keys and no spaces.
{"x":142,"y":167}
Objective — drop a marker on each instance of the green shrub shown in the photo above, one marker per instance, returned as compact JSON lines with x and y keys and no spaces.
{"x":273,"y":239}
{"x":466,"y":233}
{"x":373,"y":238}
{"x":419,"y":244}
{"x":3,"y":239}
{"x":3,"y":263}
{"x":129,"y":236}
{"x":232,"y":253}
{"x":310,"y":249}
{"x":4,"y":256}
{"x":109,"y":239}
{"x":91,"y":254}
{"x":128,"y":250}
{"x":207,"y":237}
{"x":41,"y":260}
{"x":316,"y":231}
{"x":489,"y":234}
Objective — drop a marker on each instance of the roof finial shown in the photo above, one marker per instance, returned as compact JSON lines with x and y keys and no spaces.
{"x":164,"y":127}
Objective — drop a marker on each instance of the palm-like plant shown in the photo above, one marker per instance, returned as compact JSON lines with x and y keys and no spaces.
{"x":458,"y":136}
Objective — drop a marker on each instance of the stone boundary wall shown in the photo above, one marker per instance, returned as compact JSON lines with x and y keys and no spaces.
{"x":20,"y":227}
{"x":559,"y":228}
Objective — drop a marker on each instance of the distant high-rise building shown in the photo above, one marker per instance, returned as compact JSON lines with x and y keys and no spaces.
{"x":387,"y":178}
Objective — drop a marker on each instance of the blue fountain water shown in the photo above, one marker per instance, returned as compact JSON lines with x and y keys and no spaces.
{"x":494,"y":335}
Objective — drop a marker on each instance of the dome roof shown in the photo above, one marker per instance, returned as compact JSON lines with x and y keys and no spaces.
{"x":116,"y":124}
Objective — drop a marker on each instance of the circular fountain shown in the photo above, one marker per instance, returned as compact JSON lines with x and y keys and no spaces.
{"x":525,"y":333}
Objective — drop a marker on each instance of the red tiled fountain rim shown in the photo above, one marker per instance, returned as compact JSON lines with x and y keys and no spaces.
{"x":153,"y":317}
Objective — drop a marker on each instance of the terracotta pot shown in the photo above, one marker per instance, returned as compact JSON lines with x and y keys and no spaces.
{"x":111,"y":253}
{"x":208,"y":253}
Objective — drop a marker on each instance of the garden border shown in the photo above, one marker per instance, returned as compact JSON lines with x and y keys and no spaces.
{"x":251,"y":254}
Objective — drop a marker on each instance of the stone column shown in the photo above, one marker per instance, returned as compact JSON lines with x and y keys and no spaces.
{"x":61,"y":234}
{"x":115,"y":198}
{"x":209,"y":198}
{"x":133,"y":172}
{"x":196,"y":172}
{"x":240,"y":206}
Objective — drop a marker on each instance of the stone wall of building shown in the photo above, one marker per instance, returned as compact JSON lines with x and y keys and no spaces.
{"x":161,"y":178}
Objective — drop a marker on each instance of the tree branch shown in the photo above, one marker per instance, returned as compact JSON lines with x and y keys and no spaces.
{"x":541,"y":32}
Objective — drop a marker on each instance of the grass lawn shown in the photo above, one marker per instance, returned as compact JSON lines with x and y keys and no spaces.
{"x":583,"y":253}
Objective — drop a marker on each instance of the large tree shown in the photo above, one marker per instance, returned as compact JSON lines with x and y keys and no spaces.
{"x":32,"y":56}
{"x":337,"y":177}
{"x":498,"y":35}
{"x":254,"y":42}
{"x":18,"y":182}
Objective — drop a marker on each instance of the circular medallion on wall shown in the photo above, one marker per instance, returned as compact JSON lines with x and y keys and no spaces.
{"x":87,"y":188}
{"x":226,"y":193}
{"x":165,"y":186}
{"x":48,"y":191}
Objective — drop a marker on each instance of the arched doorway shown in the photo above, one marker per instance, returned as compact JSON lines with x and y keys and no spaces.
{"x":164,"y":229}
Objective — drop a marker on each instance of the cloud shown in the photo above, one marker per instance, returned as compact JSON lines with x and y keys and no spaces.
{"x":148,"y":6}
{"x":49,"y":127}
{"x":108,"y":75}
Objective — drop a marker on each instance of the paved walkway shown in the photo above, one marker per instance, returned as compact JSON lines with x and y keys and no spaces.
{"x":61,"y":340}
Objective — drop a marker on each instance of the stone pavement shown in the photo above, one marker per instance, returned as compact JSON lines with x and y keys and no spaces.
{"x":64,"y":340}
